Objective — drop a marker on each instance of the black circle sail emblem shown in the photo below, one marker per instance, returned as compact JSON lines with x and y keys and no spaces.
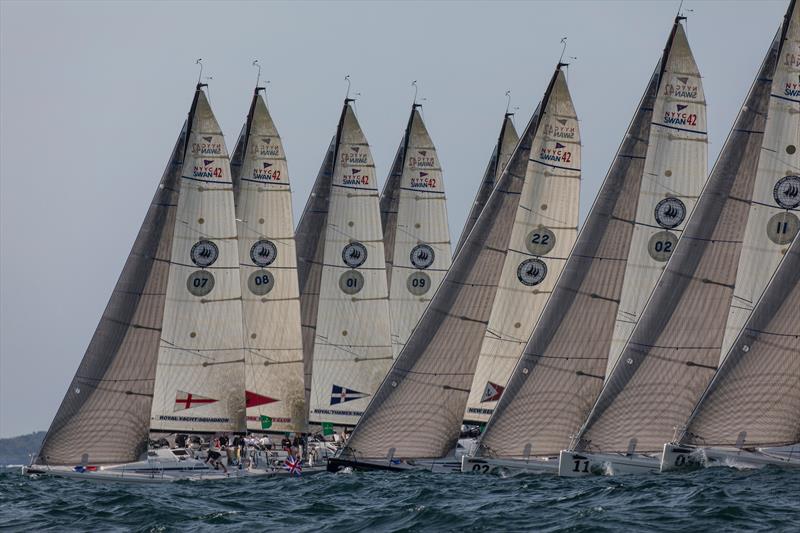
{"x":354,"y":254}
{"x":670,"y":212}
{"x":263,"y":252}
{"x":422,"y":256}
{"x":204,"y":253}
{"x":531,"y":272}
{"x":787,"y":192}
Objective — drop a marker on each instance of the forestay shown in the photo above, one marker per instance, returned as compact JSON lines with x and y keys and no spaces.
{"x":417,"y":411}
{"x":274,"y":388}
{"x":352,"y":349}
{"x":675,"y":347}
{"x":200,"y":372}
{"x":104,"y":417}
{"x":773,"y":220}
{"x":754,"y":399}
{"x":415,"y":229}
{"x":561,"y":369}
{"x":506,"y":143}
{"x":544,"y":230}
{"x":676,"y":168}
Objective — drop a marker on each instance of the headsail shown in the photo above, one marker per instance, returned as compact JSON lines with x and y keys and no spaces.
{"x":274,"y":387}
{"x":562,"y":367}
{"x":418,"y":409}
{"x":506,"y":143}
{"x":416,"y":234}
{"x":676,"y":168}
{"x":754,"y":399}
{"x":773,"y":219}
{"x":104,"y":417}
{"x":200,"y":373}
{"x":352,"y":348}
{"x":544,"y":231}
{"x":310,"y":245}
{"x":675,"y":347}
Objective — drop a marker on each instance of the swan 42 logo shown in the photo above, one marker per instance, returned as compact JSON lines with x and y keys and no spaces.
{"x":679,"y":117}
{"x":355,"y":178}
{"x":556,"y":154}
{"x":266,"y":172}
{"x":265,"y":148}
{"x":206,"y":169}
{"x":423,"y":181}
{"x":792,"y":89}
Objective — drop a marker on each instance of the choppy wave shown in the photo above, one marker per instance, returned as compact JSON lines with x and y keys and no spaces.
{"x":715,"y":499}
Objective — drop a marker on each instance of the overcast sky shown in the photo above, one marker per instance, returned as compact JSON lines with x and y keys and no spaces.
{"x":93,"y":94}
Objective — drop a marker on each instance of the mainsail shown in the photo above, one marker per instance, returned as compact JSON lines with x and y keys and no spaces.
{"x":676,"y":167}
{"x":754,"y":398}
{"x":200,"y":373}
{"x":772,"y":222}
{"x":274,"y":387}
{"x":544,"y":231}
{"x":416,"y":236}
{"x":352,"y":349}
{"x":418,"y":409}
{"x":675,"y":347}
{"x":562,"y":367}
{"x":506,"y":143}
{"x":104,"y":417}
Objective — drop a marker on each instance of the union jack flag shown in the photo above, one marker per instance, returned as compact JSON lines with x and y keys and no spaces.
{"x":294,"y":466}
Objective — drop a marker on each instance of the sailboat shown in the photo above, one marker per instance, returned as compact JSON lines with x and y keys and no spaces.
{"x":416,"y":236}
{"x":343,"y":289}
{"x":273,"y":350}
{"x":748,"y":414}
{"x":562,"y":366}
{"x":506,"y":142}
{"x":544,"y":232}
{"x":674,"y":349}
{"x":167,"y":355}
{"x":415,"y":416}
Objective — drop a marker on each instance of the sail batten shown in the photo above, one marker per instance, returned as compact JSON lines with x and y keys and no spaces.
{"x":418,"y":409}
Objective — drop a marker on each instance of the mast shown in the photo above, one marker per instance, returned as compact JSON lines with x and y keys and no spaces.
{"x":417,"y":410}
{"x":200,"y":373}
{"x":754,"y":398}
{"x":562,"y":366}
{"x":674,"y":349}
{"x":352,"y":347}
{"x":544,"y":231}
{"x":416,"y":230}
{"x":506,"y":142}
{"x":104,"y":417}
{"x":274,"y":383}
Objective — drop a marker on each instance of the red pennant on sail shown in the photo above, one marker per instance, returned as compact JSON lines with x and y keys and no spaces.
{"x":253,"y":399}
{"x":187,"y":400}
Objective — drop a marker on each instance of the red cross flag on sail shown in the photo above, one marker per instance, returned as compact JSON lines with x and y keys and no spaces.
{"x":187,"y":400}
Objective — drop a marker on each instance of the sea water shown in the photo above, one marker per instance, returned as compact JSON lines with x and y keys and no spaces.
{"x":708,"y":500}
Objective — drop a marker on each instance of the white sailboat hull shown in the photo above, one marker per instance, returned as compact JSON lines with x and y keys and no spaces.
{"x":164,"y":467}
{"x":575,"y":464}
{"x":678,"y":457}
{"x":509,"y":467}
